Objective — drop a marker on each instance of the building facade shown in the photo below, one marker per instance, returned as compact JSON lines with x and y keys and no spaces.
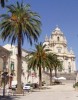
{"x":4,"y":58}
{"x":12,"y":62}
{"x":57,"y":43}
{"x":12,"y":65}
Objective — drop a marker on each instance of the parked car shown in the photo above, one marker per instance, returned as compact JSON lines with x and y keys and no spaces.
{"x":30,"y":86}
{"x":27,"y":87}
{"x":14,"y":85}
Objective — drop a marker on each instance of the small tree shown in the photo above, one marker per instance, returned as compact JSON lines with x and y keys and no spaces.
{"x":37,"y":59}
{"x":51,"y":65}
{"x":57,"y":66}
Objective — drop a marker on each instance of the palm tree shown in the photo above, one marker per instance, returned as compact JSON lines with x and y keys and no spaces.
{"x":37,"y":59}
{"x":19,"y":24}
{"x":57,"y":66}
{"x":50,"y":65}
{"x":52,"y":60}
{"x":3,"y":3}
{"x":53,"y":64}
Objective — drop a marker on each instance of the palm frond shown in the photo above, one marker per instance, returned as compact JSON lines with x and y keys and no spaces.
{"x":21,"y":14}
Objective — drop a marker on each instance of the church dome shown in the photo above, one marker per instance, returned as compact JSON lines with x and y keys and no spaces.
{"x":71,"y":51}
{"x":57,"y":31}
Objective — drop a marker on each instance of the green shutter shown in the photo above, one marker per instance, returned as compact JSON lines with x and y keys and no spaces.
{"x":12,"y":65}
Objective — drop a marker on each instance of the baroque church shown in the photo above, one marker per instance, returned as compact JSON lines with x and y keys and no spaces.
{"x":58,"y":44}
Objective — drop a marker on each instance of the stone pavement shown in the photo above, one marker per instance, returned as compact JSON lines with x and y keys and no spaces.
{"x":56,"y":92}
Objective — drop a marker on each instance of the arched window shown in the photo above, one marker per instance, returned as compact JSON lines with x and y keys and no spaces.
{"x":59,"y":49}
{"x":69,"y":67}
{"x":58,"y":38}
{"x":12,"y":65}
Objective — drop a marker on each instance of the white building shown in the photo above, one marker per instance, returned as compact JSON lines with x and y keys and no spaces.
{"x":12,"y":64}
{"x":30,"y":76}
{"x":58,"y":44}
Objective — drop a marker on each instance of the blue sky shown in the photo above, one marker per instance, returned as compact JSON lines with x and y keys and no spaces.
{"x":63,"y":13}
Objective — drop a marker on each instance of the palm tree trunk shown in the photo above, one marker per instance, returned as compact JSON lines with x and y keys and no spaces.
{"x":40,"y":77}
{"x":2,"y":3}
{"x":55,"y":71}
{"x":50,"y":76}
{"x":77,"y":77}
{"x":19,"y":64}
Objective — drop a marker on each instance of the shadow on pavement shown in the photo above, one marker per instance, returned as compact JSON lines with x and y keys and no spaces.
{"x":40,"y":89}
{"x":8,"y":97}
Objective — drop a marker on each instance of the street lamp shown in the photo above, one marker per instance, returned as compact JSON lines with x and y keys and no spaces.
{"x":10,"y":79}
{"x":4,"y":74}
{"x":4,"y":79}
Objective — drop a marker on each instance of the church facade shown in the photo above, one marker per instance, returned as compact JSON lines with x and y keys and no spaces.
{"x":57,"y":43}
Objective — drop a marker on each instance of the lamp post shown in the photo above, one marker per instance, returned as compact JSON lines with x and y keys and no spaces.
{"x":4,"y":74}
{"x":11,"y":78}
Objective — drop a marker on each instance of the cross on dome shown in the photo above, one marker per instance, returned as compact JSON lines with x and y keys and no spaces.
{"x":57,"y":28}
{"x":46,"y":38}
